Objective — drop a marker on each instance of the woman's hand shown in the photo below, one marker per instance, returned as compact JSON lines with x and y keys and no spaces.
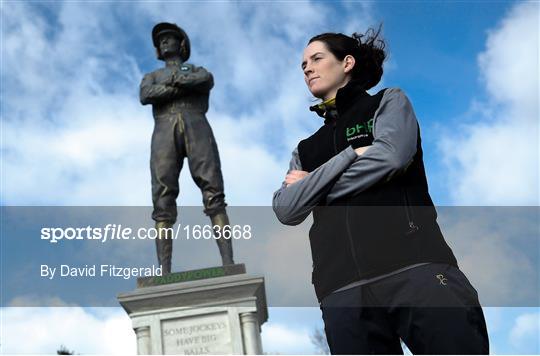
{"x":294,"y":176}
{"x":360,"y":150}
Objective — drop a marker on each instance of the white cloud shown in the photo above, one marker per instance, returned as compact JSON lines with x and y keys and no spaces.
{"x":279,"y":338}
{"x":494,"y":320}
{"x":79,"y":328}
{"x":290,"y":279}
{"x":41,"y":301}
{"x":74,"y":132}
{"x":38,"y":330}
{"x":525,"y":333}
{"x":69,"y":135}
{"x":493,"y":247}
{"x":510,"y":62}
{"x":250,"y":171}
{"x":494,"y":158}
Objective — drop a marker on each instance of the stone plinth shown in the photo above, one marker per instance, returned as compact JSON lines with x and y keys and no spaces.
{"x":216,"y":312}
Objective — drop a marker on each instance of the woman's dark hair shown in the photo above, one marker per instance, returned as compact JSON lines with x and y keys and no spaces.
{"x":367,"y":50}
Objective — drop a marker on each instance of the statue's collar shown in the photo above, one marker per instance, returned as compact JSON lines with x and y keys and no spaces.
{"x":173,"y":62}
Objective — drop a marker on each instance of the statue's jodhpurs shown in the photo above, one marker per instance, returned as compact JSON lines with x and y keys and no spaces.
{"x":179,"y":96}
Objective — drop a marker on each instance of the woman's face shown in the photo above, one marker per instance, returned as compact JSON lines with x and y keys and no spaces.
{"x":324,"y":74}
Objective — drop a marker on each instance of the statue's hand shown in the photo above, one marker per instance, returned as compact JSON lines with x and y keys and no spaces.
{"x":180,"y":80}
{"x":171,"y":80}
{"x":166,"y":77}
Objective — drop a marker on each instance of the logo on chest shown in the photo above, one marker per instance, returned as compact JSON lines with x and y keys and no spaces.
{"x":360,"y":130}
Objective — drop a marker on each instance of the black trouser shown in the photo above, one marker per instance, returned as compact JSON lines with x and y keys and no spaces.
{"x":176,"y":137}
{"x":432,"y":308}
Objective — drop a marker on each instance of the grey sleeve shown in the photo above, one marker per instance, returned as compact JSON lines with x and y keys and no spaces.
{"x":393,"y":148}
{"x":153,"y":93}
{"x":293,"y":203}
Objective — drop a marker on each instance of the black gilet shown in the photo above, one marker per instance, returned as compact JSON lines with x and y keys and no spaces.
{"x":388,"y":226}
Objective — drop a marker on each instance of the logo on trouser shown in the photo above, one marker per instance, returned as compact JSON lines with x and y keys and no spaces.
{"x":441,"y":279}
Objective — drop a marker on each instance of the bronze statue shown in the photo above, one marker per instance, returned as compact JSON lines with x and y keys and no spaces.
{"x":179,"y":95}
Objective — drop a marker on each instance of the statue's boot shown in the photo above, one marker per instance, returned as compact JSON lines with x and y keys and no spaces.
{"x":164,"y":245}
{"x":220,"y":221}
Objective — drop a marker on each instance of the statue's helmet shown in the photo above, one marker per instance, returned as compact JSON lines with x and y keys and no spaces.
{"x":165,"y":27}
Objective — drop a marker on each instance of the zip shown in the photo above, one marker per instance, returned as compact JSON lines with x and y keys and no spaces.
{"x":349,"y":235}
{"x":410,"y":217}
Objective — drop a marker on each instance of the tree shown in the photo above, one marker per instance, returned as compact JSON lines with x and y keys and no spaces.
{"x":64,"y":351}
{"x":318,"y":338}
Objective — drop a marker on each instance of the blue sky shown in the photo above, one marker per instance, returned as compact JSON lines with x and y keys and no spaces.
{"x":73,"y":132}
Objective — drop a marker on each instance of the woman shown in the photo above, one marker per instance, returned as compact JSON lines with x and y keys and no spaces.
{"x":382,"y":270}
